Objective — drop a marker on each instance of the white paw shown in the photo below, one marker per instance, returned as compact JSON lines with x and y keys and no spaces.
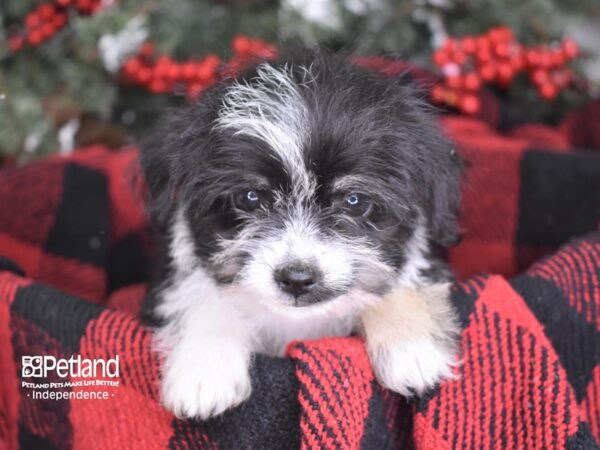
{"x":412,"y":367}
{"x":206,"y":384}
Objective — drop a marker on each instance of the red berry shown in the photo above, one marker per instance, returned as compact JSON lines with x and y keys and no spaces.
{"x":161,"y":69}
{"x":158,"y":86}
{"x":471,"y":81}
{"x":505,"y":73}
{"x":256,"y":47}
{"x":59,"y":20}
{"x":84,"y":6}
{"x":47,"y":30}
{"x":496,"y":36}
{"x":505,"y":33}
{"x":487,"y":72}
{"x":174,"y":72}
{"x":483,"y":55}
{"x":46,"y":11}
{"x":570,"y":48}
{"x":33,"y":20}
{"x":35,"y":37}
{"x":459,"y":57}
{"x":469,"y":45}
{"x":212,"y":61}
{"x":63,"y":2}
{"x":204,"y":72}
{"x":188,"y":70}
{"x":449,"y":45}
{"x":261,"y":49}
{"x":440,"y":58}
{"x":501,"y":49}
{"x":241,"y":45}
{"x":144,"y":75}
{"x":557,"y":58}
{"x":147,"y":49}
{"x":469,"y":103}
{"x":548,"y":90}
{"x":95,"y":6}
{"x":540,"y":76}
{"x":131,"y":66}
{"x":500,"y":34}
{"x":545,"y":59}
{"x":483,"y":42}
{"x":516,"y":62}
{"x":532,"y":58}
{"x":454,"y":81}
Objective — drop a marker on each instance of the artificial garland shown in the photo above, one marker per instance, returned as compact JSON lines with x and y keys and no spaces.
{"x":47,"y":19}
{"x":466,"y":64}
{"x":496,"y":58}
{"x":161,"y":74}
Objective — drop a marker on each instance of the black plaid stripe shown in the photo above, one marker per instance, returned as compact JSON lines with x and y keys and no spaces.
{"x":30,"y":441}
{"x":81,"y":224}
{"x":560,"y":197}
{"x":43,"y":318}
{"x":270,"y":417}
{"x":127,"y":263}
{"x":575,"y":340}
{"x":62,"y":316}
{"x":582,"y":440}
{"x":40,"y":420}
{"x":9,"y":265}
{"x":377,"y":431}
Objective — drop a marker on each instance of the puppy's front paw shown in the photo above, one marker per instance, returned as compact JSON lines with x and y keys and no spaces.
{"x":205,"y":385}
{"x":411,"y":367}
{"x":410,"y":337}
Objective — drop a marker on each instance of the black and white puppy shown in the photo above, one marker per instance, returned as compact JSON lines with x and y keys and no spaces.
{"x":297,"y":201}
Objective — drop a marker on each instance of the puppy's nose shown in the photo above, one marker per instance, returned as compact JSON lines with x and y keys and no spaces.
{"x":297,"y":279}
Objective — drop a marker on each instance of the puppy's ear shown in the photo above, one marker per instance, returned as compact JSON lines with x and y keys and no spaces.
{"x":444,"y":176}
{"x":165,"y":160}
{"x":434,"y":167}
{"x":160,"y":190}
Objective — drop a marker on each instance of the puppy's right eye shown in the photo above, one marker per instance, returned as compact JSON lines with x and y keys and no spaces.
{"x":250,"y":200}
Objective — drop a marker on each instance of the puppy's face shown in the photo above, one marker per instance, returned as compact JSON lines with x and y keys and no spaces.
{"x":305,"y":182}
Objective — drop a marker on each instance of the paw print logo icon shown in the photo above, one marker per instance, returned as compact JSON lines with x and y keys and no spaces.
{"x":31,"y":366}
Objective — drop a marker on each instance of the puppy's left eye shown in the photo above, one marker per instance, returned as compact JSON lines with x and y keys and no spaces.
{"x":354,"y":204}
{"x":352,"y":200}
{"x":251,"y":199}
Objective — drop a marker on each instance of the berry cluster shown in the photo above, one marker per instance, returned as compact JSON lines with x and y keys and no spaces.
{"x":246,"y":50}
{"x":497,"y":58}
{"x":47,"y":19}
{"x":161,"y":74}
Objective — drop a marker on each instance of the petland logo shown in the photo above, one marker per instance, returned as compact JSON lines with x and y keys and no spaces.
{"x":75,"y":366}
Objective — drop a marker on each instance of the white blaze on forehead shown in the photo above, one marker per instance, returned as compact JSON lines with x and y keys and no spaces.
{"x":272,"y":110}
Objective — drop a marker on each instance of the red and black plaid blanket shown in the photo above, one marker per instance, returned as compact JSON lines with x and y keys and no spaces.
{"x":74,"y":249}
